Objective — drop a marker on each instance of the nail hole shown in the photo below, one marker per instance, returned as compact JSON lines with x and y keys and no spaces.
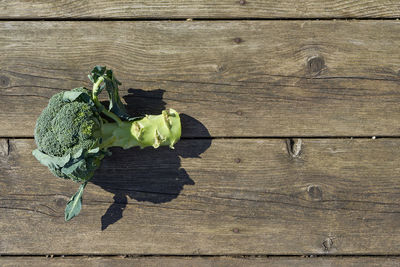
{"x":238,"y":40}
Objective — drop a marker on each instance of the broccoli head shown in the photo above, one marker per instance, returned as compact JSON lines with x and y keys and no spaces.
{"x":66,"y":126}
{"x":67,"y":131}
{"x":73,"y":135}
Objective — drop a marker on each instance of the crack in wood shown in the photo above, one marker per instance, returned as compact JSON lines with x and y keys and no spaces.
{"x":32,"y":210}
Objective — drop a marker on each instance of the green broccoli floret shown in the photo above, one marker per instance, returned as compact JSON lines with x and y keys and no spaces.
{"x":59,"y":129}
{"x":72,"y":136}
{"x":70,"y":127}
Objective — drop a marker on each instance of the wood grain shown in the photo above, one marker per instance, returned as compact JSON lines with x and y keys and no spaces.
{"x":100,"y":9}
{"x":237,"y":196}
{"x":199,"y":261}
{"x":280,"y":78}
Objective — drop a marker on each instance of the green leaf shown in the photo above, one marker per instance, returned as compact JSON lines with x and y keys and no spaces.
{"x":115,"y":105}
{"x":95,"y":74}
{"x":91,"y":78}
{"x":94,"y":150}
{"x":87,"y":99}
{"x":78,"y":153}
{"x":51,"y":160}
{"x":110,"y":83}
{"x":71,"y":95}
{"x":74,"y":205}
{"x":75,"y":167}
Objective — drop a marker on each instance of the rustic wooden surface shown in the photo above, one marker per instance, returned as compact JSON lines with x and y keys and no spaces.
{"x":241,"y":196}
{"x":25,"y":9}
{"x":200,"y":261}
{"x":279,"y":165}
{"x":282,"y":78}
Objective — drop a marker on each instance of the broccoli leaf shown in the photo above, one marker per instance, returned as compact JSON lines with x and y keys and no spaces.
{"x":95,"y":74}
{"x":74,"y":167}
{"x":78,"y":154}
{"x":78,"y":165}
{"x":71,"y":95}
{"x":94,"y":150}
{"x":110,"y":83}
{"x":51,"y":160}
{"x":116,"y":105}
{"x":74,"y":205}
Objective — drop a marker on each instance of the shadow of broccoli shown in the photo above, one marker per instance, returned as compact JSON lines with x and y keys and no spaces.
{"x":148,"y":175}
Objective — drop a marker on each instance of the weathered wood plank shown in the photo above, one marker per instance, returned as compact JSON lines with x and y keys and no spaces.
{"x":241,"y":196}
{"x":97,"y":9}
{"x":199,"y":261}
{"x":281,"y":78}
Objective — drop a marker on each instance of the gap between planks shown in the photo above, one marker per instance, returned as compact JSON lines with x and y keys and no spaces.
{"x":257,"y":137}
{"x":173,"y":261}
{"x":200,"y":9}
{"x":201,"y":19}
{"x":397,"y":256}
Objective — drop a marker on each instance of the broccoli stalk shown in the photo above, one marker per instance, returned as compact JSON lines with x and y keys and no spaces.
{"x":73,"y":138}
{"x":159,"y":130}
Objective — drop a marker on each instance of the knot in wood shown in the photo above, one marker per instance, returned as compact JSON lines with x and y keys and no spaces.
{"x":4,"y":81}
{"x":220,"y":68}
{"x":60,"y":202}
{"x":314,"y":192}
{"x":315,"y":64}
{"x":327,"y":244}
{"x":4,"y":147}
{"x":294,"y":147}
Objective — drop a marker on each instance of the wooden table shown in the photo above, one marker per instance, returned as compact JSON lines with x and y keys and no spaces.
{"x":290,"y":153}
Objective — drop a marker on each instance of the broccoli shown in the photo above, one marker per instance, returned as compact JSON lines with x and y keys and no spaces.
{"x":75,"y":130}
